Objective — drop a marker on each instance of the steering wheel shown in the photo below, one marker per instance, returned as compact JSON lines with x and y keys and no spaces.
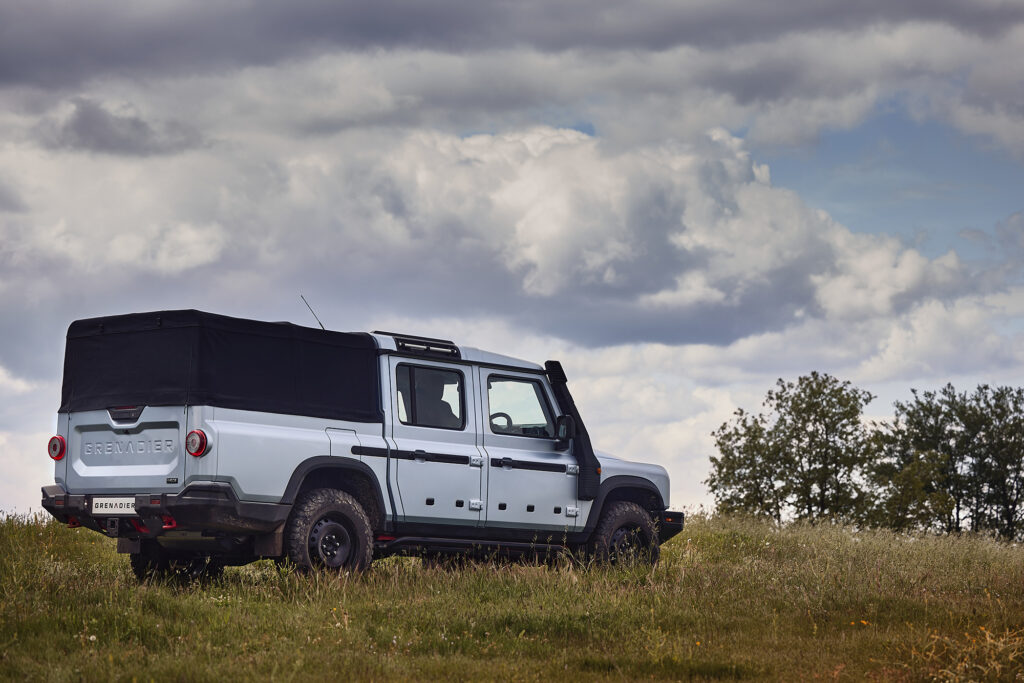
{"x":507,"y":418}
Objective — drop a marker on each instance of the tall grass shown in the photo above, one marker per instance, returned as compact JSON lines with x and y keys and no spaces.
{"x":731,"y":599}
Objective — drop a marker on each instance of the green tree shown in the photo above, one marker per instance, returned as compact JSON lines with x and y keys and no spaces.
{"x":951,"y":461}
{"x":911,"y":492}
{"x":1001,"y":469}
{"x":919,"y":474}
{"x":803,"y":457}
{"x":745,"y":476}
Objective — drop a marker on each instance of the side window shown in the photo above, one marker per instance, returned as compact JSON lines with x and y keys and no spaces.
{"x":518,"y":407}
{"x":430,"y":397}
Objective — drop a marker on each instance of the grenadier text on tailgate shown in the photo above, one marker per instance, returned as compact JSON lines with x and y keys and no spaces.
{"x":128,"y":447}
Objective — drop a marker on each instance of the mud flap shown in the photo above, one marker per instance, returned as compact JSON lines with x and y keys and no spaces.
{"x":269,"y":545}
{"x":127,"y":546}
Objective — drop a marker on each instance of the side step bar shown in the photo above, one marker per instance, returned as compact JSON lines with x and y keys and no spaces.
{"x":412,"y":545}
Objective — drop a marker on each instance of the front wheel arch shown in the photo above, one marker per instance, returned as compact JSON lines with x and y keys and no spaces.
{"x":628,"y":488}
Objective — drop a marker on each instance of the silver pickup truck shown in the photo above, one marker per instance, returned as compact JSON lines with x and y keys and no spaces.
{"x":199,"y":441}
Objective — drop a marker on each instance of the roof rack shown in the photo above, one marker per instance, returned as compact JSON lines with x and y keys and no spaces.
{"x":423,"y":346}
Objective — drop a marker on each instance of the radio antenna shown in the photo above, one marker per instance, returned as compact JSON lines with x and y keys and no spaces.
{"x":312,"y":311}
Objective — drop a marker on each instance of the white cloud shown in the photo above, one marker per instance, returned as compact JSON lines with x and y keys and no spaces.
{"x":690,"y":289}
{"x":169,"y":248}
{"x":875,"y":272}
{"x":690,"y":232}
{"x":11,"y":385}
{"x":937,"y":339}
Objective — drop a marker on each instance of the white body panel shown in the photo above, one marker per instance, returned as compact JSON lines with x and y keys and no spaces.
{"x":257,"y":452}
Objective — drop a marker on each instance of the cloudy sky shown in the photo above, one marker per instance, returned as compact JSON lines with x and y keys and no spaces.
{"x":680,"y":200}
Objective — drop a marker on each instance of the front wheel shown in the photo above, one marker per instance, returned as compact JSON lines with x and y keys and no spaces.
{"x":329,"y":528}
{"x":625,"y":533}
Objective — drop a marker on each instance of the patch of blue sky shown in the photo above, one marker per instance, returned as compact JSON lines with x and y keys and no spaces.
{"x":559,"y":116}
{"x":585,"y":127}
{"x":924,"y":182}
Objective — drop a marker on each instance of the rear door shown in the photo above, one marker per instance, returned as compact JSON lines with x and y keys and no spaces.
{"x":438,"y":466}
{"x":529,"y":483}
{"x":126,"y":451}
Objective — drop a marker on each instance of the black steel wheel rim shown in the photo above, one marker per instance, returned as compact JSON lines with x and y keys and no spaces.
{"x":625,"y":542}
{"x":330,"y":543}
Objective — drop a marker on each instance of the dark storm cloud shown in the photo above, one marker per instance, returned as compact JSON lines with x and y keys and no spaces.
{"x":766,"y":81}
{"x":653,"y":214}
{"x":52,"y":42}
{"x":472,"y":283}
{"x":92,"y":127}
{"x":594,"y":324}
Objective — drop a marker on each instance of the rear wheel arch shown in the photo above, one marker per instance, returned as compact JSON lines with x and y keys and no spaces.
{"x":349,"y":476}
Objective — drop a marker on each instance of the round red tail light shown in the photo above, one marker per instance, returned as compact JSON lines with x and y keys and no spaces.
{"x":195,"y":442}
{"x":57,"y":447}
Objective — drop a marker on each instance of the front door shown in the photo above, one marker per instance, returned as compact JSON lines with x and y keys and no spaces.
{"x":529,"y":483}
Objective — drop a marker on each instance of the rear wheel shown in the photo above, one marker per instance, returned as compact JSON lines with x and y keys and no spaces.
{"x":329,"y":528}
{"x":625,"y":533}
{"x":147,"y":563}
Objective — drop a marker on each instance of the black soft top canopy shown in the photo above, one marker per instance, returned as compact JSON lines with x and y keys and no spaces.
{"x":195,"y":358}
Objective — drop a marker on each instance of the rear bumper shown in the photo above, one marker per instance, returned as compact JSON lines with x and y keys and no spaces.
{"x":207,"y":507}
{"x":670,"y":523}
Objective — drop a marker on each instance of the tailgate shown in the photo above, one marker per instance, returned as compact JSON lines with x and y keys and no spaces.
{"x":126,"y":451}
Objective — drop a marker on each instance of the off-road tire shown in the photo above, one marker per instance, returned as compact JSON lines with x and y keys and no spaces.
{"x":329,"y":528}
{"x":625,"y":533}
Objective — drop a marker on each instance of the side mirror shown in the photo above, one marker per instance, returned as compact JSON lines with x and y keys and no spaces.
{"x":565,"y":431}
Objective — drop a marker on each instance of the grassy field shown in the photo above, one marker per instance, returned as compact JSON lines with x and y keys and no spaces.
{"x":731,"y":599}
